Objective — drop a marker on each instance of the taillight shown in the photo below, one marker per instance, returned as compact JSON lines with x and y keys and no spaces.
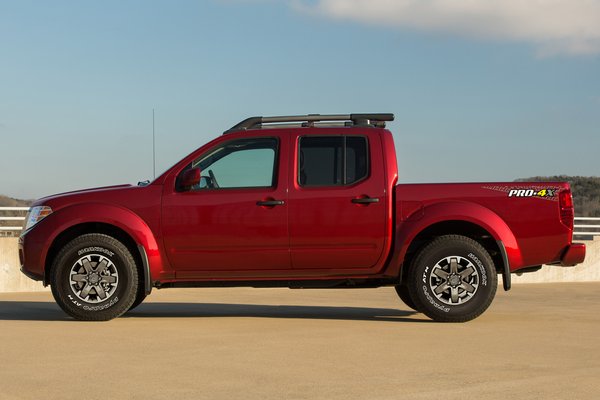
{"x":567,"y":212}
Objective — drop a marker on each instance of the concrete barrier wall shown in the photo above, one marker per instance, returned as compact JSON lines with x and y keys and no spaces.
{"x":589,"y":271}
{"x":12,"y":280}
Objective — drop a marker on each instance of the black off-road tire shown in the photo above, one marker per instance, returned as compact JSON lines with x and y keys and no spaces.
{"x":452,"y":279}
{"x":94,"y":277}
{"x":403,"y":293}
{"x":141,"y":295}
{"x":139,"y":298}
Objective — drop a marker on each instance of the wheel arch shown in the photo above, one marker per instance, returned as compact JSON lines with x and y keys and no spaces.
{"x":136,"y":250}
{"x":458,"y":218}
{"x":455,"y":227}
{"x":120,"y":223}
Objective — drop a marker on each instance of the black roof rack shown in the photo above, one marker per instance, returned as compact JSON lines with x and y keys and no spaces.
{"x":373,"y":120}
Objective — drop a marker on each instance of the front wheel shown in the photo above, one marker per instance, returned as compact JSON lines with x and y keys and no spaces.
{"x":139,"y":299}
{"x":94,"y":278}
{"x":452,"y":279}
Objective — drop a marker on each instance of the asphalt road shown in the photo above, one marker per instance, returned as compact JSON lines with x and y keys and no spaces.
{"x":536,"y":342}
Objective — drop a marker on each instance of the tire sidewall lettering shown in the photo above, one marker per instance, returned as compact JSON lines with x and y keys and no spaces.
{"x":95,"y":249}
{"x":101,"y":306}
{"x":428,"y":296}
{"x":434,"y":303}
{"x":479,"y":264}
{"x":74,"y":301}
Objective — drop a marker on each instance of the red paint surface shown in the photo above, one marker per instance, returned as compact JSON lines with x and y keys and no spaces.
{"x":317,"y":234}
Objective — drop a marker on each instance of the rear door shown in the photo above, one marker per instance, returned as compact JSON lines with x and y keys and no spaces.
{"x":337,"y":207}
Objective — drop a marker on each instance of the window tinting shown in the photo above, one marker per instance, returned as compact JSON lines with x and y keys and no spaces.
{"x":356,"y":159}
{"x":332,"y":160}
{"x":242,"y":163}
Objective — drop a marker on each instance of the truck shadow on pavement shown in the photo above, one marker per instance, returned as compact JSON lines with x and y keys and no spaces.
{"x":48,"y":311}
{"x":31,"y":311}
{"x":196,"y":310}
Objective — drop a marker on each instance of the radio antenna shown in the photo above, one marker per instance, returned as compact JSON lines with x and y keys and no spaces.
{"x":153,"y":147}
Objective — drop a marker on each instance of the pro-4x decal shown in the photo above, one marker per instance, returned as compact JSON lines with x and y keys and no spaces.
{"x":542,"y":192}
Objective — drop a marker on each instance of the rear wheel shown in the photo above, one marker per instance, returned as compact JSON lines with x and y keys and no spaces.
{"x":452,"y":279}
{"x":402,"y":291}
{"x":94,"y":278}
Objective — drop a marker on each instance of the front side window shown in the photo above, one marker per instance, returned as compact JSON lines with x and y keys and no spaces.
{"x":244,"y":163}
{"x":332,"y":160}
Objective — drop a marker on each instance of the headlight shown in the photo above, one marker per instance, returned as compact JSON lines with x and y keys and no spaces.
{"x":35,"y":215}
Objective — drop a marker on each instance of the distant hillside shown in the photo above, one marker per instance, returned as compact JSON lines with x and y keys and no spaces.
{"x":586,"y":192}
{"x":6,"y":201}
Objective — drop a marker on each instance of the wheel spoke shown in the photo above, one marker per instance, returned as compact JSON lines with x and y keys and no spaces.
{"x":453,"y":265}
{"x":467,"y":272}
{"x":86,"y":291}
{"x":468,"y":287}
{"x":78,"y":277}
{"x":441,"y":288}
{"x":454,"y":294}
{"x":109,"y":279}
{"x":87,"y":265}
{"x":100,"y":291}
{"x":101,"y":267}
{"x":440,"y":273}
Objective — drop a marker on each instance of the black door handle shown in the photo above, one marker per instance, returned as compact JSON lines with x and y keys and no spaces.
{"x":270,"y":203}
{"x":365,"y":200}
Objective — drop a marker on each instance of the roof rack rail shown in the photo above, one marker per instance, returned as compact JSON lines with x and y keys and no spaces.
{"x":374,"y":120}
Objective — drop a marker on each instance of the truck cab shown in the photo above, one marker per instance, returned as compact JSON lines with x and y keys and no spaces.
{"x":281,"y":202}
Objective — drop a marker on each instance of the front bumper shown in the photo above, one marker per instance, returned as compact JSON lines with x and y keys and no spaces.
{"x":573,"y":254}
{"x":31,"y":275}
{"x":29,"y":257}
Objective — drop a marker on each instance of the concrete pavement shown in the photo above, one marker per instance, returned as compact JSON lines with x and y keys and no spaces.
{"x":537,"y":341}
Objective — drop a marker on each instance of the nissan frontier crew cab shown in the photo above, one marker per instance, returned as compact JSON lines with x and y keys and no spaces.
{"x":302,"y":202}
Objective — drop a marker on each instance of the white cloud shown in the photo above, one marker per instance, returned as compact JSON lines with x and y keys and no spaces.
{"x":553,"y":26}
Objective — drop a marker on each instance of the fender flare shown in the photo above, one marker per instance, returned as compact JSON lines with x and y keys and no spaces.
{"x":122,"y":218}
{"x":463,"y":211}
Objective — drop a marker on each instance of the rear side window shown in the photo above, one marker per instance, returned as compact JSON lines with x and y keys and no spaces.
{"x":332,"y":160}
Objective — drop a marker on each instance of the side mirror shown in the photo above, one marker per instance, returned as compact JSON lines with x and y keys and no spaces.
{"x":190,"y":178}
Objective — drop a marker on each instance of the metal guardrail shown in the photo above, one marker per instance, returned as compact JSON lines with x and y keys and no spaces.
{"x":13,"y":228}
{"x":589,"y":229}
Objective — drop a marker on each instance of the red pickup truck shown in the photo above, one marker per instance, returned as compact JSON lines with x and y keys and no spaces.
{"x":302,"y":202}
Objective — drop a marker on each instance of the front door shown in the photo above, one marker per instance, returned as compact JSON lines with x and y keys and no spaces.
{"x":235,"y":219}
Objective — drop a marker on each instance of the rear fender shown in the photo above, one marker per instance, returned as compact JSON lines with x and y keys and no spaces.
{"x":423,"y":218}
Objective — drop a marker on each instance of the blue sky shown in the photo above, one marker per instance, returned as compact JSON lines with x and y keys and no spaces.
{"x":479,"y":94}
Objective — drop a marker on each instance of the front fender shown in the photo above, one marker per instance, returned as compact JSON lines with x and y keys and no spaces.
{"x":465,"y":211}
{"x":126,"y":220}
